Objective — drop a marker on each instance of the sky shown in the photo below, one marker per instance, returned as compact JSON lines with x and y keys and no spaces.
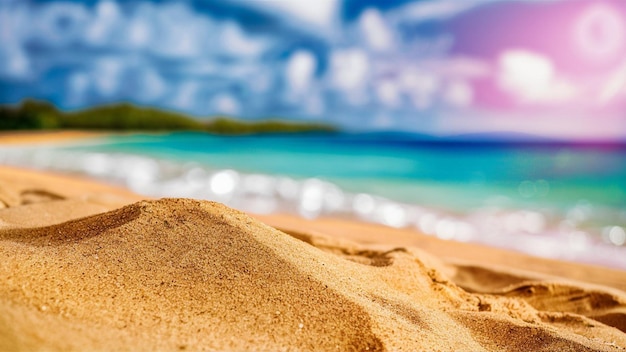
{"x":541,"y":67}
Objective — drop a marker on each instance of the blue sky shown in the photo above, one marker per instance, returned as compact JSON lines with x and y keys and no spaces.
{"x":554,"y":68}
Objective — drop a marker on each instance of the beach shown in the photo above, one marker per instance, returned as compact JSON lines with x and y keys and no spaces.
{"x":93,"y":266}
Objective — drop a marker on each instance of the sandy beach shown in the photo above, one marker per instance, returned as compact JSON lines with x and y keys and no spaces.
{"x":90,"y":266}
{"x":39,"y":137}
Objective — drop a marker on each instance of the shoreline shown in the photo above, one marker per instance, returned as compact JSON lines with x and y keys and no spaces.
{"x":42,"y":137}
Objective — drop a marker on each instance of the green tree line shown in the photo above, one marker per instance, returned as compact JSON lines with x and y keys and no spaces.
{"x":39,"y":115}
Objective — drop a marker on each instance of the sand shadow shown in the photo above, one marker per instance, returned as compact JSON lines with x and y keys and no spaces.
{"x":544,"y":294}
{"x":31,"y":196}
{"x":345,"y":249}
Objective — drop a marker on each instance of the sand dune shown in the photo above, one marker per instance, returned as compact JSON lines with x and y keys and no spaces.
{"x":81,"y":273}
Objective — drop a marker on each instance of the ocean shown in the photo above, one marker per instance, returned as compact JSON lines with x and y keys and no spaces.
{"x":556,"y":200}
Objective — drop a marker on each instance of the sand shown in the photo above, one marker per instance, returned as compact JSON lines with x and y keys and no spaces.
{"x":46,"y":137}
{"x":88,"y":266}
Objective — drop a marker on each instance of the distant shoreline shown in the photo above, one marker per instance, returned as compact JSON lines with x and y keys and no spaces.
{"x":125,"y":117}
{"x":41,"y":136}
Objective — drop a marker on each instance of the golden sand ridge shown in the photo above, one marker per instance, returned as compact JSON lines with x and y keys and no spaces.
{"x":79,"y":272}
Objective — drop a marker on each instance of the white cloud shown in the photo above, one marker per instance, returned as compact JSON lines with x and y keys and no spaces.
{"x":524,"y":70}
{"x":105,"y":20}
{"x":459,"y":94}
{"x":21,"y":23}
{"x":14,"y":23}
{"x":114,"y":77}
{"x":320,"y":13}
{"x":349,"y":68}
{"x":614,"y":86}
{"x":238,"y":43}
{"x":388,"y":93}
{"x":186,"y":95}
{"x":78,"y":86}
{"x":420,"y":81}
{"x":377,"y":33}
{"x":350,"y":73}
{"x":139,"y":32}
{"x":419,"y":11}
{"x":429,"y":10}
{"x":300,"y":69}
{"x":171,"y":30}
{"x":15,"y":62}
{"x":531,"y":78}
{"x":314,"y":104}
{"x":152,"y":85}
{"x":424,"y":82}
{"x":225,"y":103}
{"x":181,"y":33}
{"x":420,"y":86}
{"x":383,"y":120}
{"x":60,"y":23}
{"x":459,"y":67}
{"x":107,"y":74}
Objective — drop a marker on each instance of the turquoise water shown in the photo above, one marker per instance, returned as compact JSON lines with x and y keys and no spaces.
{"x":455,"y":176}
{"x":554,"y":200}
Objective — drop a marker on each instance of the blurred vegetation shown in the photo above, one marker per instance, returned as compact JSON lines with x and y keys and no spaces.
{"x":38,"y":115}
{"x":223,"y":125}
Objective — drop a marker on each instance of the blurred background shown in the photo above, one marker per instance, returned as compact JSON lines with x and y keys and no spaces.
{"x":492,"y":121}
{"x":547,"y":68}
